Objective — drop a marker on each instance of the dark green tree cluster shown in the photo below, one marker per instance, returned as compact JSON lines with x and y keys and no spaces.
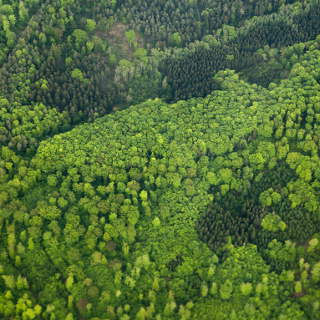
{"x":173,"y":23}
{"x":248,"y":216}
{"x":273,"y":64}
{"x":188,"y":71}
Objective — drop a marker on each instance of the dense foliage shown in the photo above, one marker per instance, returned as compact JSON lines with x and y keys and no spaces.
{"x":106,"y":221}
{"x":177,"y":23}
{"x":206,"y":208}
{"x":189,"y":71}
{"x":89,"y":58}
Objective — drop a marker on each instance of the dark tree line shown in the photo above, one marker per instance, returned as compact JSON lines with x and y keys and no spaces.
{"x":189,"y":72}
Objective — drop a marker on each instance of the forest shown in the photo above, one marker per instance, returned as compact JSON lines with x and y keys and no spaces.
{"x":160,"y":160}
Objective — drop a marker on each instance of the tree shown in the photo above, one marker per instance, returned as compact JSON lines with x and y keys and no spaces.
{"x":141,"y":54}
{"x":273,"y":223}
{"x":80,"y":35}
{"x":226,"y":290}
{"x":131,"y":37}
{"x":246,"y":288}
{"x":77,"y":74}
{"x":175,"y":39}
{"x":90,"y":25}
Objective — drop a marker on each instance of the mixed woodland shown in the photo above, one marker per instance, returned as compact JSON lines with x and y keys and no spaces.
{"x":160,"y":160}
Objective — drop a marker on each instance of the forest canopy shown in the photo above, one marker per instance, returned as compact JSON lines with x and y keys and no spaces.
{"x":159,"y":160}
